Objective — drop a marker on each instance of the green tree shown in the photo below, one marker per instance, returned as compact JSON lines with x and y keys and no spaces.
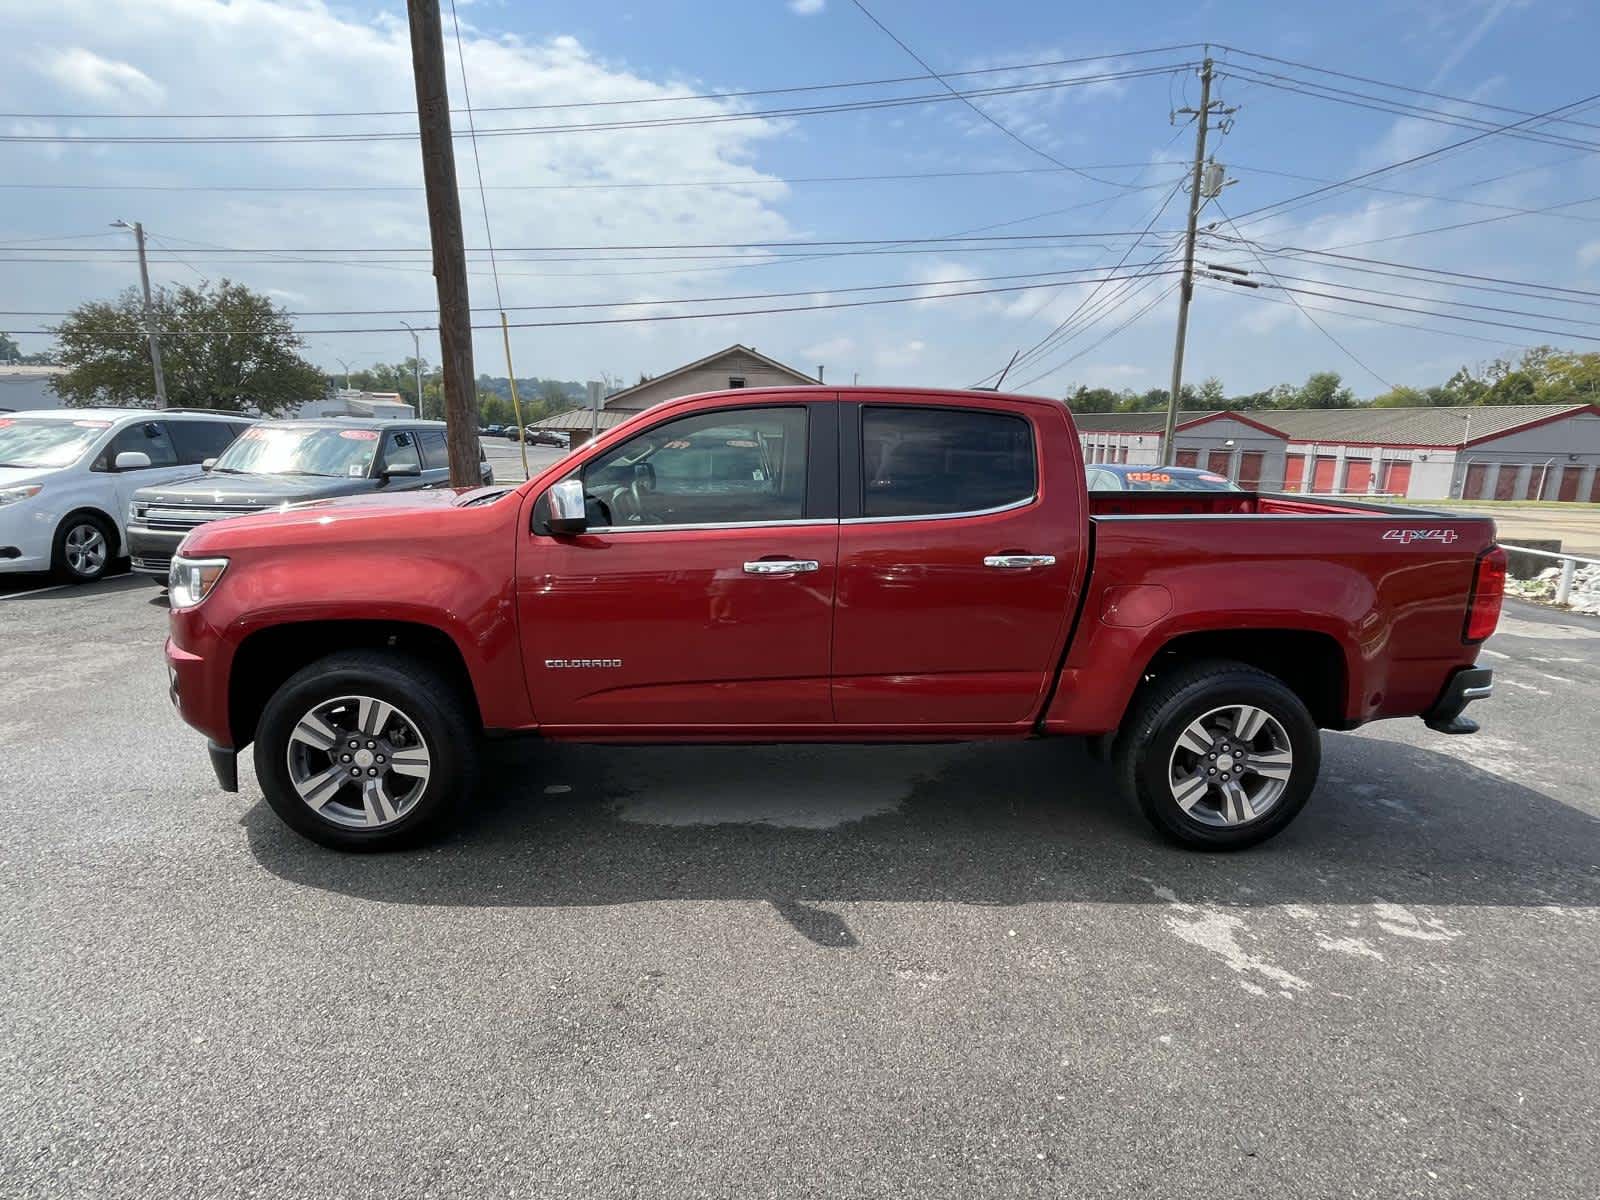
{"x":1212,"y":393}
{"x":10,"y":352}
{"x":1093,"y":400}
{"x":1324,"y":389}
{"x":222,"y":346}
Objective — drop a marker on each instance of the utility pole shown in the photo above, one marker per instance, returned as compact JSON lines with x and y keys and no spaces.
{"x":149,"y":310}
{"x":1186,"y":286}
{"x":416,"y":362}
{"x":449,"y":249}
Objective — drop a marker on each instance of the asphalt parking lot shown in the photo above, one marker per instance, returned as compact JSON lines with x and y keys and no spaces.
{"x":874,"y":971}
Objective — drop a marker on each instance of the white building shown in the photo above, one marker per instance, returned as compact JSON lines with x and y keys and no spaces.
{"x":1502,"y":452}
{"x":23,"y":388}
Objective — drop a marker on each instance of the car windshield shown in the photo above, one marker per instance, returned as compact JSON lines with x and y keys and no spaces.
{"x":47,"y":442}
{"x":300,"y":450}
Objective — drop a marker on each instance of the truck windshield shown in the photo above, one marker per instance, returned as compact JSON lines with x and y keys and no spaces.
{"x":46,"y":442}
{"x":300,"y":450}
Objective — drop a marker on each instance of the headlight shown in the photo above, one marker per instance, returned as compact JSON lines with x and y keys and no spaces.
{"x":13,"y":494}
{"x":190,"y":580}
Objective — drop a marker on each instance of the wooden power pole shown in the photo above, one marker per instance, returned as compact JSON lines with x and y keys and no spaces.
{"x":449,"y":250}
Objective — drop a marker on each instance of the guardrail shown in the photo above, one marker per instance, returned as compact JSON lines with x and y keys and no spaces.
{"x":1569,"y":567}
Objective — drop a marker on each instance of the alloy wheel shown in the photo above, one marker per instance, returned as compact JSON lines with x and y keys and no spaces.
{"x":85,"y":549}
{"x":359,"y":762}
{"x":1231,"y":765}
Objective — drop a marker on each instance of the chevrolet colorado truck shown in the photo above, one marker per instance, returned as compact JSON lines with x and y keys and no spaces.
{"x":825,"y":565}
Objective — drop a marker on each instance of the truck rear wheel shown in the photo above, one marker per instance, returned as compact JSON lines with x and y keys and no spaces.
{"x":365,"y":750}
{"x":1219,"y":756}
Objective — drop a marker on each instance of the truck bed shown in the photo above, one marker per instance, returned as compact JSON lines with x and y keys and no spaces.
{"x":1384,"y":587}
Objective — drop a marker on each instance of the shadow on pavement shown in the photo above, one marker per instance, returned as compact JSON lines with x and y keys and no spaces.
{"x":987,"y":824}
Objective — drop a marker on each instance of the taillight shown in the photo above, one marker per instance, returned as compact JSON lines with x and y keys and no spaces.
{"x":1488,"y":590}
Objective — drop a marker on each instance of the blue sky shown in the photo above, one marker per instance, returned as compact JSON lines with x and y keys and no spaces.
{"x":162,"y":57}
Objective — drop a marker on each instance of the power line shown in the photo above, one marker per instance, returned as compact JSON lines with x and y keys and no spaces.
{"x":1382,"y":262}
{"x":965,"y":99}
{"x":1160,"y":296}
{"x":749,"y":312}
{"x":1399,"y":87}
{"x":1256,"y":213}
{"x":785,"y":181}
{"x":908,"y":241}
{"x":1560,"y":333}
{"x":874,"y":287}
{"x":1344,"y":96}
{"x":1516,"y":312}
{"x":593,"y":126}
{"x":728,"y":95}
{"x":1359,"y":316}
{"x":1039,"y":346}
{"x":1345,"y":350}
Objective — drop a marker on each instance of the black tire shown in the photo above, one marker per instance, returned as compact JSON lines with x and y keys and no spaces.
{"x":1159,"y":717}
{"x":427,"y":699}
{"x":66,"y":564}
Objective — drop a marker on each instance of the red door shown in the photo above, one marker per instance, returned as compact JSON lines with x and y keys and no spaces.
{"x":1357,"y":475}
{"x":1250,"y":469}
{"x":1217,"y":462}
{"x":1187,"y":458}
{"x":1594,"y":488}
{"x":956,"y":579}
{"x":1505,"y":483}
{"x":1294,"y":469}
{"x":1322,"y":474}
{"x":657,"y":615}
{"x":1397,"y":478}
{"x":1569,"y":483}
{"x":1472,"y":488}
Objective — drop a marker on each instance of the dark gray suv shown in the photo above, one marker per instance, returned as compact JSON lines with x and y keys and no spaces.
{"x":274,"y":464}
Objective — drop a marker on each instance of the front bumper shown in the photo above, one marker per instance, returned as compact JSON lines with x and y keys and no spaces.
{"x":151,"y":550}
{"x":1465,"y":686}
{"x":27,"y":534}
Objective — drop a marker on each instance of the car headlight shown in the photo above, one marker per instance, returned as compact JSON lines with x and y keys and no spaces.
{"x":12,"y":494}
{"x":190,"y":580}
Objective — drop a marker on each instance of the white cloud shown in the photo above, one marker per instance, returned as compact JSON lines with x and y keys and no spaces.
{"x":807,"y":8}
{"x":88,"y":74}
{"x":899,"y":355}
{"x":1589,"y":253}
{"x":307,"y":56}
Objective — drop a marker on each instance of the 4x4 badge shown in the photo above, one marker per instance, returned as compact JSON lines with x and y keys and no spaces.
{"x":1406,"y":536}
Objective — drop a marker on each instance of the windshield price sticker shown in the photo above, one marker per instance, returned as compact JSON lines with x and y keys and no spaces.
{"x":92,"y":424}
{"x":358,"y":435}
{"x":1149,"y":477}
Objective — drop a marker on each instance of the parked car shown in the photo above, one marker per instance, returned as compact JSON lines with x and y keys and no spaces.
{"x":492,"y":431}
{"x":280,"y":463}
{"x":548,"y":437}
{"x":856,"y":565}
{"x":1123,"y":477}
{"x":66,"y":476}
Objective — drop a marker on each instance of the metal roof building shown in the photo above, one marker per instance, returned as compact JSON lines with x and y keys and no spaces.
{"x":1503,"y":452}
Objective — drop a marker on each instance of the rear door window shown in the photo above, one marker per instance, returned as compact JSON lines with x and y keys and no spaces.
{"x":932,"y":461}
{"x":400,"y":449}
{"x":197,"y":441}
{"x":435,"y":455}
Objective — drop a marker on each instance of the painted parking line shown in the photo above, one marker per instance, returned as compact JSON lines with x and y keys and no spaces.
{"x":87,"y":595}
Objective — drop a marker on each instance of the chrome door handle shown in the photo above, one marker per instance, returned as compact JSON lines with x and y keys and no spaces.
{"x":1017,"y":562}
{"x":780,"y":566}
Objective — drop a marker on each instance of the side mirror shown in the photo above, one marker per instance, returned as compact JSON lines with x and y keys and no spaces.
{"x":132,"y":460}
{"x":404,"y":470}
{"x":567,"y":513}
{"x":208,"y":464}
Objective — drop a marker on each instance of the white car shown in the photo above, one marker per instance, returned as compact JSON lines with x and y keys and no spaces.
{"x":67,"y":475}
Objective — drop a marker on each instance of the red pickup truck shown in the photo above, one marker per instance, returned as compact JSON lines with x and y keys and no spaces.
{"x":829,"y":565}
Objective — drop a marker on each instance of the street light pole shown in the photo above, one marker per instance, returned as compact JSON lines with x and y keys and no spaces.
{"x":416,"y":362}
{"x":346,"y":367}
{"x":149,"y":310}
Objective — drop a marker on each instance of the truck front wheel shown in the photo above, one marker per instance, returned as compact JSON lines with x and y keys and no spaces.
{"x":1219,"y":755}
{"x":365,"y":750}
